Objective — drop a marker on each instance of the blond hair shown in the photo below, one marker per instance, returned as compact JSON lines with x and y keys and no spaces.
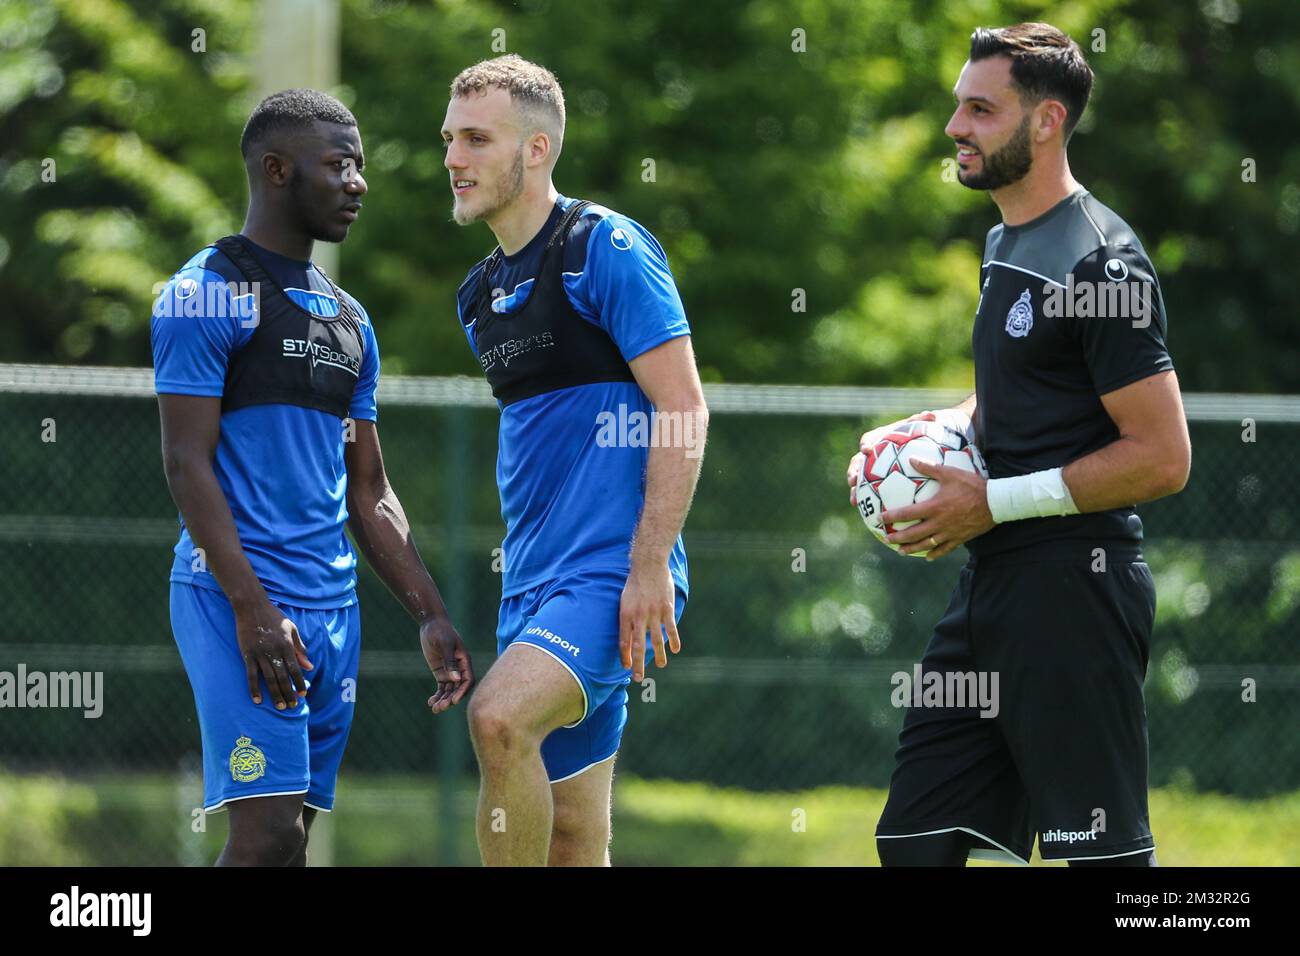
{"x":533,"y":89}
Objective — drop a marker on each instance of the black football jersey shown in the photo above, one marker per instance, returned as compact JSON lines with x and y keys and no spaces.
{"x":1070,"y":309}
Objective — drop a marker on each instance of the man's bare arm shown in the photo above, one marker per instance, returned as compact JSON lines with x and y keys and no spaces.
{"x":380,"y":528}
{"x":1152,"y":456}
{"x":269,"y":642}
{"x":668,"y":376}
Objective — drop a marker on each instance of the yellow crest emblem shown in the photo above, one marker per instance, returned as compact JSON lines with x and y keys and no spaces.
{"x":247,"y":762}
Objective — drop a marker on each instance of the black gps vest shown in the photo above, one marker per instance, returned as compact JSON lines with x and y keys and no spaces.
{"x":293,"y":356}
{"x":545,"y":344}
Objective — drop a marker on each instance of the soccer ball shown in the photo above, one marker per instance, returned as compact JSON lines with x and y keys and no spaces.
{"x":889,"y":480}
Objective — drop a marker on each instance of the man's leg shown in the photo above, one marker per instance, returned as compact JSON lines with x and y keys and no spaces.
{"x":265,"y":831}
{"x":580,"y":833}
{"x":255,"y":758}
{"x":334,"y":642}
{"x":1071,"y":646}
{"x":525,"y":695}
{"x":949,"y":848}
{"x":308,"y":815}
{"x":955,"y":791}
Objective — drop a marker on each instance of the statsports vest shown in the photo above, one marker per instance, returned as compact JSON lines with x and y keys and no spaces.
{"x":544,"y":345}
{"x":293,"y":356}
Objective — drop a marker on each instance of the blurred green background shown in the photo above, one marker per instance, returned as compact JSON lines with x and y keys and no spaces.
{"x":775,"y":171}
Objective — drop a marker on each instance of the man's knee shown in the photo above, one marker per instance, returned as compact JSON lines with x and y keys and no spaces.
{"x":496,"y":728}
{"x":578,"y":839}
{"x":580,"y":826}
{"x":574,"y":821}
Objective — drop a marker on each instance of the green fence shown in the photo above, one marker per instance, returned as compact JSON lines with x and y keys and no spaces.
{"x":796,"y":621}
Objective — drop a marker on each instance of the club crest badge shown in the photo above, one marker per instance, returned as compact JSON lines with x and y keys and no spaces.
{"x":247,"y":763}
{"x":1021,"y":317}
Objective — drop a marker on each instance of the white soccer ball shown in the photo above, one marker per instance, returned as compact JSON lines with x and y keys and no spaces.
{"x":889,"y":480}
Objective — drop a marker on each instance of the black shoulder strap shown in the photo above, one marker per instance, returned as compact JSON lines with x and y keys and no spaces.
{"x":558,"y":234}
{"x":566,"y":222}
{"x":344,"y":307}
{"x":247,"y":261}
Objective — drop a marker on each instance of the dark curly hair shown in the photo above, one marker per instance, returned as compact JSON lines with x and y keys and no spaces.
{"x":292,"y":109}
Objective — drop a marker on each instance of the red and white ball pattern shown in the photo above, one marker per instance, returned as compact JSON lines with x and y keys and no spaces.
{"x":889,"y":480}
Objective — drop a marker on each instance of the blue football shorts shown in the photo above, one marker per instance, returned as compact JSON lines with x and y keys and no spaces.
{"x":254,"y":750}
{"x":574,"y":619}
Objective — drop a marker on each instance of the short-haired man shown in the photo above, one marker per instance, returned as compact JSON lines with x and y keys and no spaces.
{"x":1078,"y":413}
{"x":576,"y":322}
{"x":266,"y":374}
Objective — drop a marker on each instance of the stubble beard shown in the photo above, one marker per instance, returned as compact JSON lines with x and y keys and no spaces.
{"x":508,"y":187}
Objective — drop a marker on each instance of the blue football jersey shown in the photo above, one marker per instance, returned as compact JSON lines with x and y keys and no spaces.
{"x":571,"y":499}
{"x":281,"y":466}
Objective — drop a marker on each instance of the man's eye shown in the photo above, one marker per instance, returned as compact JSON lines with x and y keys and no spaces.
{"x":978,"y":109}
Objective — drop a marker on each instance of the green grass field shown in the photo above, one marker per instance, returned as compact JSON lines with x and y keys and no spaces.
{"x":394,"y":821}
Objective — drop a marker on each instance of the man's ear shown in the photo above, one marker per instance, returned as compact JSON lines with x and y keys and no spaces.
{"x":539,"y":149}
{"x":276,"y":169}
{"x":1049,"y":119}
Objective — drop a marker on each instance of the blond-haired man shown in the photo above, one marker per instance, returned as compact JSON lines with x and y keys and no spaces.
{"x":579,"y":329}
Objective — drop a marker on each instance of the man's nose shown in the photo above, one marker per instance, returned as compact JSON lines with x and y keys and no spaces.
{"x":956,"y":129}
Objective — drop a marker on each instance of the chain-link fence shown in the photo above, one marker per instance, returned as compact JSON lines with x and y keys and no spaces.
{"x":796,"y":622}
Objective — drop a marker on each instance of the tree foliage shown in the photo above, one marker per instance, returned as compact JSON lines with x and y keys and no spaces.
{"x":797,"y":153}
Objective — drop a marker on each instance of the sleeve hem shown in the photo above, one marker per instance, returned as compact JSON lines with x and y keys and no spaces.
{"x":654,"y":343}
{"x":185,"y":388}
{"x":1118,"y":383}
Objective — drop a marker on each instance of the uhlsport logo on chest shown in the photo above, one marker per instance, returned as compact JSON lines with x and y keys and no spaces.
{"x":1021,"y":317}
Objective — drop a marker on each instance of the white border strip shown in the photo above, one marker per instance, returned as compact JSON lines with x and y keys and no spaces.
{"x":575,"y":773}
{"x":1008,"y":265}
{"x":252,"y":796}
{"x":1100,"y":235}
{"x":975,"y":833}
{"x":1112,"y":856}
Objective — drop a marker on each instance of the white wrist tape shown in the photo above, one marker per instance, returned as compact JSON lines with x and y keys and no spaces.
{"x":1041,"y":494}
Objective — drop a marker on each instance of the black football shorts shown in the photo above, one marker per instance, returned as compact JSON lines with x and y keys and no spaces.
{"x":1061,"y":753}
